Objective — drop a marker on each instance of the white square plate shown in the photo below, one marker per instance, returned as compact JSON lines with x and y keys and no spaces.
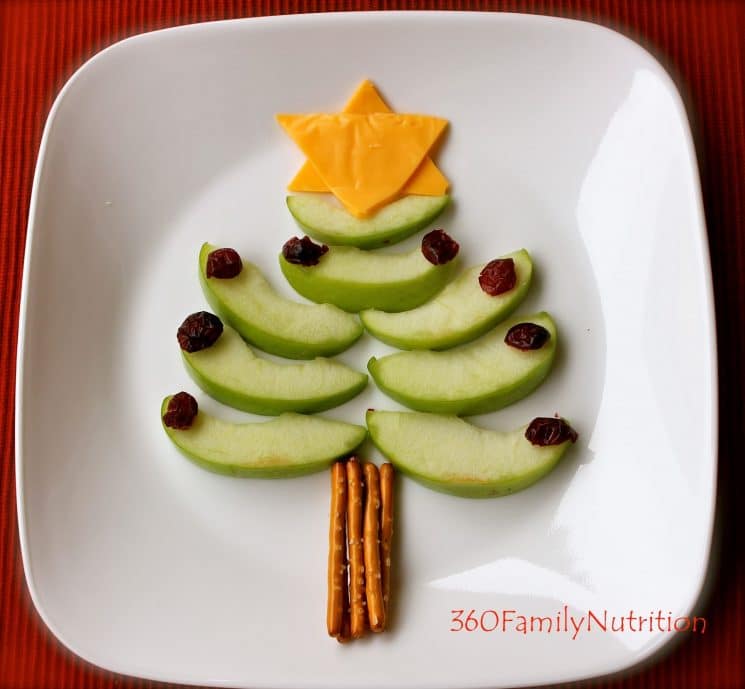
{"x":565,"y":138}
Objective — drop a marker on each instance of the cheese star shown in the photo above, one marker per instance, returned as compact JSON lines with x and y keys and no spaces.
{"x":427,"y":180}
{"x":366,"y":159}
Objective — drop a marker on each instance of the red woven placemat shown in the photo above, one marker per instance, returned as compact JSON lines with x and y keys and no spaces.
{"x":702,"y":43}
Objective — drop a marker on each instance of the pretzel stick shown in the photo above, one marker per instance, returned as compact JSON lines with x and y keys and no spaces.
{"x":357,"y":613}
{"x":375,"y":607}
{"x":386,"y":532}
{"x":346,"y":634}
{"x":337,"y":551}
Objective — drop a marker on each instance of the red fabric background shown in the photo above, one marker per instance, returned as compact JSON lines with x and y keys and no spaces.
{"x":702,"y":43}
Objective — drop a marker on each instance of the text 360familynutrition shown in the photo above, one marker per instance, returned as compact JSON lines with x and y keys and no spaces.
{"x":573,"y":624}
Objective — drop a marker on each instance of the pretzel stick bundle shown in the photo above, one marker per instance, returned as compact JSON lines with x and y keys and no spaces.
{"x":386,"y":532}
{"x":360,"y":536}
{"x":337,"y":567}
{"x":373,"y":574}
{"x":357,"y":602}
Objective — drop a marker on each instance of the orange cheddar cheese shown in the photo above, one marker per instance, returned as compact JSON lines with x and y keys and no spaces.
{"x":366,"y":99}
{"x":427,"y":180}
{"x":365,"y":160}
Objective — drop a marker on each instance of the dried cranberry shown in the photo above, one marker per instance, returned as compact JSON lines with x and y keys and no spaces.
{"x":304,"y":252}
{"x":498,"y":276}
{"x":199,"y":331}
{"x":182,"y":408}
{"x":439,"y":247}
{"x":224,"y":264}
{"x":527,"y":336}
{"x":547,"y":431}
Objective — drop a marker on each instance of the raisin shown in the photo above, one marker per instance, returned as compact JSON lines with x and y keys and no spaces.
{"x":182,"y":408}
{"x":527,"y":336}
{"x":498,"y":276}
{"x":304,"y":252}
{"x":439,"y":247}
{"x":224,"y":264}
{"x":547,"y":431}
{"x":199,"y":331}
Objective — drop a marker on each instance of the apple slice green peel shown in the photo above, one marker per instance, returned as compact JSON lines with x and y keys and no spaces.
{"x":392,"y":223}
{"x":290,"y":445}
{"x":231,"y":373}
{"x":476,"y":378}
{"x":267,"y":320}
{"x":461,"y":312}
{"x":354,"y":279}
{"x":452,"y":456}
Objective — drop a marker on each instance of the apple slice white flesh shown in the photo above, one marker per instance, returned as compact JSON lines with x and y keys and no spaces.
{"x":475,"y":378}
{"x":354,"y":279}
{"x":392,"y":223}
{"x":231,"y":373}
{"x":452,"y":456}
{"x":458,"y":314}
{"x":290,"y":445}
{"x":270,"y":322}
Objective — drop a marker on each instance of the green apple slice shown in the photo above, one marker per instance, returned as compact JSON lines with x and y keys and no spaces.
{"x":353,"y":279}
{"x":392,"y":223}
{"x":476,"y":378}
{"x":290,"y":445}
{"x":231,"y":373}
{"x":270,"y":322}
{"x":452,"y":456}
{"x":459,"y":313}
